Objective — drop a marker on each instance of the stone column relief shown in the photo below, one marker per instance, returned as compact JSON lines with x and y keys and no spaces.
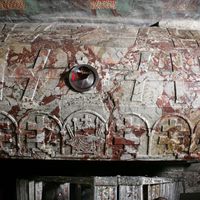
{"x":170,"y":137}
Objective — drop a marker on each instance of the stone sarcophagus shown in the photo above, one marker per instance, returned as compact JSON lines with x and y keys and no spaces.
{"x":99,"y":92}
{"x":98,"y":188}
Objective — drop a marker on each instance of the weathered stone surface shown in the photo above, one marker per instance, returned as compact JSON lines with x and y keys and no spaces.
{"x":100,"y":188}
{"x":169,"y":13}
{"x":144,"y":106}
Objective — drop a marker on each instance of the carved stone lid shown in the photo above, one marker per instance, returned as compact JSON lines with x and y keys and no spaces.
{"x":144,"y":106}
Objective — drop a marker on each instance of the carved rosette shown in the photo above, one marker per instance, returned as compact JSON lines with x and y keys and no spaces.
{"x":40,"y":135}
{"x":133,"y":131}
{"x":170,"y":137}
{"x":8,"y":135}
{"x":85,"y":134}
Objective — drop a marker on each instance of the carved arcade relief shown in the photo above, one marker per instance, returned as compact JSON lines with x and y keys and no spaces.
{"x":195,"y":143}
{"x":85,"y":133}
{"x":133,"y":134}
{"x":8,"y":135}
{"x":170,"y":137}
{"x":40,"y":134}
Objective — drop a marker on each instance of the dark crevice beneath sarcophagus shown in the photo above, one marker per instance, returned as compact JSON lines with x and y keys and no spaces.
{"x":90,"y":168}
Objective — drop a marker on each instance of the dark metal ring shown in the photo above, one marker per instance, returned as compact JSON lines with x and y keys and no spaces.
{"x":83,"y":77}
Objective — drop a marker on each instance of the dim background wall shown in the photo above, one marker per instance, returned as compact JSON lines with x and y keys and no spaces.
{"x":189,"y":174}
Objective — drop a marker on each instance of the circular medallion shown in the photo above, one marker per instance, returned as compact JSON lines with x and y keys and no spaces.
{"x":83,"y":77}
